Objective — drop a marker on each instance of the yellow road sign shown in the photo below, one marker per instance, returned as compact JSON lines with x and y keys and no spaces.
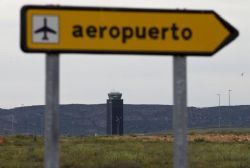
{"x":115,"y":30}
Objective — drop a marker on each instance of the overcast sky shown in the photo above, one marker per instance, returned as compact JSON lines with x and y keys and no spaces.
{"x":87,"y":79}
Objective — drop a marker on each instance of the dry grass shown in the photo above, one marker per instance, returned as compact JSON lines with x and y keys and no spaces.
{"x":204,"y":151}
{"x":211,"y":137}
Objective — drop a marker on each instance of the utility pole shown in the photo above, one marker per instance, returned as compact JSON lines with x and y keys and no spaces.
{"x":229,"y":105}
{"x":229,"y":98}
{"x":219,"y":111}
{"x":12,"y":124}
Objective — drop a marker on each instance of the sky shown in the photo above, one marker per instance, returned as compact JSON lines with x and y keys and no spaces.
{"x":87,"y":79}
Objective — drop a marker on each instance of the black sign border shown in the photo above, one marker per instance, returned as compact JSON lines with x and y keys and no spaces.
{"x":233,"y":32}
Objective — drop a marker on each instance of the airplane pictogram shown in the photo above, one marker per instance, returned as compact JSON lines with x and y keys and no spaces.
{"x":45,"y":29}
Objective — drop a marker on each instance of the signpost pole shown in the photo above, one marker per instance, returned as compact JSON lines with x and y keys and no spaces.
{"x":52,"y":112}
{"x":180,"y":112}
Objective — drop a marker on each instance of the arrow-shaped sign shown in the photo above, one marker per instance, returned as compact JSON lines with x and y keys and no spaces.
{"x":124,"y":31}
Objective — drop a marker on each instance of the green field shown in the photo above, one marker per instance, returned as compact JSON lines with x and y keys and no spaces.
{"x":103,"y":152}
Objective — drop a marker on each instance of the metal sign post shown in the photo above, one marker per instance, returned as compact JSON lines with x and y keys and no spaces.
{"x":52,"y":112}
{"x":180,"y":112}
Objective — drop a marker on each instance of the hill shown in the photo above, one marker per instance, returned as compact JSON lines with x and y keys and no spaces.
{"x":77,"y":119}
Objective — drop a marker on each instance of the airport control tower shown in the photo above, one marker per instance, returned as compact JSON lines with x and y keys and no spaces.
{"x":115,"y":114}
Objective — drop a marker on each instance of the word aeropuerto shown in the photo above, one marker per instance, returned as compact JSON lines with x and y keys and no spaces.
{"x":125,"y":33}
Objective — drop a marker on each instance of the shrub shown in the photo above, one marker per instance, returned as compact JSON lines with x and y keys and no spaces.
{"x":2,"y":140}
{"x":199,"y":140}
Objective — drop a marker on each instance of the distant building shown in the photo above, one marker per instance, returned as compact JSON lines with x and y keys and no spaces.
{"x":115,"y":114}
